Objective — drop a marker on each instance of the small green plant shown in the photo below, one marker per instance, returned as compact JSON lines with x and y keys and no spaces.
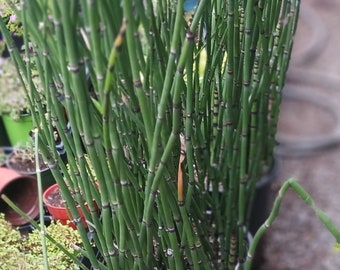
{"x":7,"y":9}
{"x":25,"y":151}
{"x":64,"y":235}
{"x":10,"y":18}
{"x":25,"y":252}
{"x":23,"y":159}
{"x":13,"y":97}
{"x":9,"y":243}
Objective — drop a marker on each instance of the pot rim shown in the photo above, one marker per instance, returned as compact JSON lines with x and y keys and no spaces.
{"x":8,"y":177}
{"x":47,"y":192}
{"x":269,"y":175}
{"x":10,"y":166}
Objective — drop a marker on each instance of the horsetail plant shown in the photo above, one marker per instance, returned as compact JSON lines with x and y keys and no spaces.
{"x":176,"y":112}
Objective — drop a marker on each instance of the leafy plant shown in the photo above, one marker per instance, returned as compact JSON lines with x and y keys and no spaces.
{"x":64,"y":235}
{"x":14,"y":100}
{"x":8,"y":15}
{"x":25,"y":252}
{"x":22,"y":158}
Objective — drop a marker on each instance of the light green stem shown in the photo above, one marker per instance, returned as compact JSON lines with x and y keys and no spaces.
{"x":305,"y":196}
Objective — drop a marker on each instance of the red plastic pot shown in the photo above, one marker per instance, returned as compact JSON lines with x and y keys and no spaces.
{"x":60,"y":213}
{"x":23,"y":191}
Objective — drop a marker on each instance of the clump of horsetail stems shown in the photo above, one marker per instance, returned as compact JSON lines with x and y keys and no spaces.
{"x":175,"y":111}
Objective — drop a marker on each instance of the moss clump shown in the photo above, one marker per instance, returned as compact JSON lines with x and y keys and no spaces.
{"x":18,"y":252}
{"x":7,"y":10}
{"x":10,"y":18}
{"x":14,"y":100}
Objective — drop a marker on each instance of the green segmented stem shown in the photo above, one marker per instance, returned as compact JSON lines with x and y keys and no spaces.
{"x":305,"y":196}
{"x":125,"y":83}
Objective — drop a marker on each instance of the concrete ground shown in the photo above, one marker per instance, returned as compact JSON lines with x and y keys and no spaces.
{"x":310,"y":150}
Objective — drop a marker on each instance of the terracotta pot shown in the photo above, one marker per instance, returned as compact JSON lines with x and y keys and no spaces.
{"x":60,"y":213}
{"x":23,"y":191}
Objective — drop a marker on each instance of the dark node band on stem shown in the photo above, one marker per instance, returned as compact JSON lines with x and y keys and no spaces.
{"x":73,"y":68}
{"x":105,"y":205}
{"x":113,"y":253}
{"x":137,"y":83}
{"x":190,"y":36}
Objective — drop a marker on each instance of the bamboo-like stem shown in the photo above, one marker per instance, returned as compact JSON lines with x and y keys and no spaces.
{"x":305,"y":196}
{"x":106,"y":125}
{"x":41,"y":205}
{"x":247,"y":64}
{"x":152,"y":178}
{"x":137,"y":82}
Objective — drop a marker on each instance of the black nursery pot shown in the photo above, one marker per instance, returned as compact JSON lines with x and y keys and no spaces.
{"x":3,"y":135}
{"x":18,"y":43}
{"x":260,"y":208}
{"x":260,"y":212}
